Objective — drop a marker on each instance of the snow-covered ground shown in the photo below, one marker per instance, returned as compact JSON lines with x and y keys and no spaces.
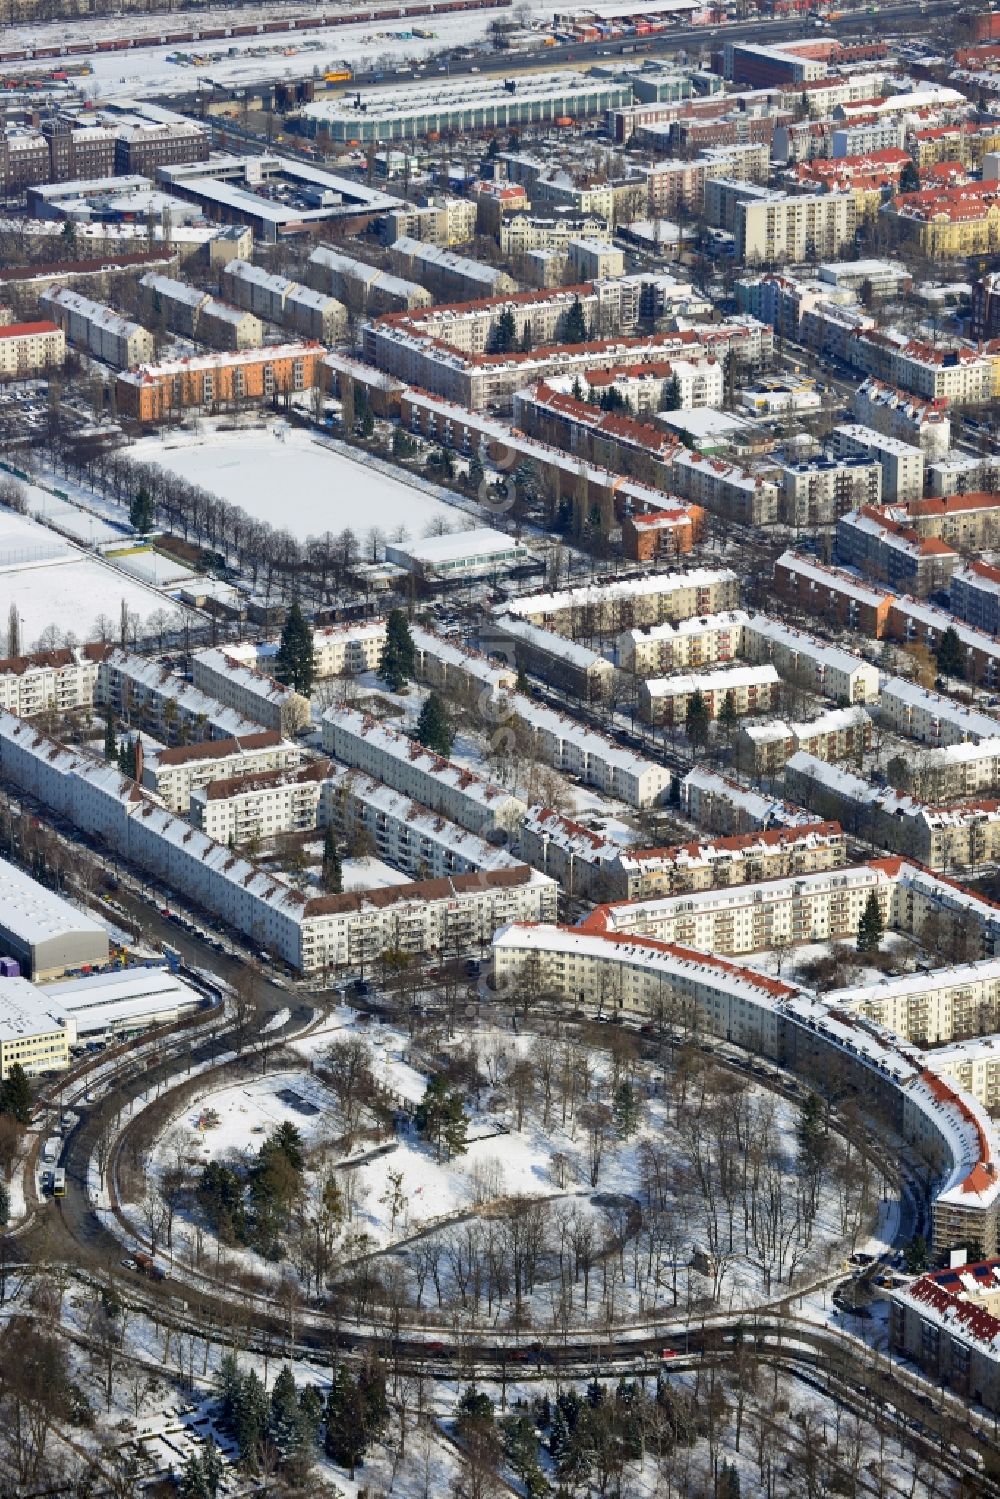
{"x":151,"y":71}
{"x":299,"y":484}
{"x":370,"y":874}
{"x":52,"y":583}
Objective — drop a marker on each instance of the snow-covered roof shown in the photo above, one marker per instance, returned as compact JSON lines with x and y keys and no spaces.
{"x":616,"y":589}
{"x":723,"y":680}
{"x":909,"y":694}
{"x":33,"y":914}
{"x":551,"y":644}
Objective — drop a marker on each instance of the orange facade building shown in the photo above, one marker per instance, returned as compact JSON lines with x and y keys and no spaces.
{"x":157,"y":392}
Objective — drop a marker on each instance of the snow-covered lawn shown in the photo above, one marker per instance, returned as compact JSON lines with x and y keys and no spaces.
{"x":297,"y":483}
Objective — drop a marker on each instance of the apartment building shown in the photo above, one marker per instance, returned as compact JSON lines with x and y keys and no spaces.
{"x":451,"y":277}
{"x":625,"y":603}
{"x":946,"y":223}
{"x":605,"y":871}
{"x":750,"y":689}
{"x":368,"y":815}
{"x":229,"y":674}
{"x":894,"y":553}
{"x":276,"y":299}
{"x":143,"y":692}
{"x":446,"y":788}
{"x":660,"y":534}
{"x":975,"y":595}
{"x":735,"y":493}
{"x":830,"y":593}
{"x":689,"y":382}
{"x":722,"y":805}
{"x":642,"y":977}
{"x":31,"y":349}
{"x":957,"y":770}
{"x":925,"y":424}
{"x":840,"y":734}
{"x":348,"y":650}
{"x":947,"y":1323}
{"x":174,"y":773}
{"x":809,"y":662}
{"x":931,"y":717}
{"x":61,"y":680}
{"x":566,"y":745}
{"x":566,"y":664}
{"x":159,"y":392}
{"x":539,"y":317}
{"x":458,"y":671}
{"x":970,"y":521}
{"x":901,"y":463}
{"x":823,"y":906}
{"x":820,"y":490}
{"x":521,"y":233}
{"x":962,"y":837}
{"x":251,"y":808}
{"x":441,"y":220}
{"x":914,"y":620}
{"x":313,"y":935}
{"x":97,"y":329}
{"x":143,"y":145}
{"x":780,"y":229}
{"x":363,"y":288}
{"x":931,"y":1009}
{"x":658,"y":650}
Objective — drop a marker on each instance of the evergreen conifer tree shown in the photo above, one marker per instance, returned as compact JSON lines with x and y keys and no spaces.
{"x":575,"y":331}
{"x":110,"y":741}
{"x":697,"y":720}
{"x":295,"y":663}
{"x":871,"y":926}
{"x":434,"y":731}
{"x":949,"y":654}
{"x":15,"y":1094}
{"x":140,"y":512}
{"x":332,"y":874}
{"x":396,"y":662}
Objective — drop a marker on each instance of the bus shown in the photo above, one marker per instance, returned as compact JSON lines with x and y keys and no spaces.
{"x":59,"y":1182}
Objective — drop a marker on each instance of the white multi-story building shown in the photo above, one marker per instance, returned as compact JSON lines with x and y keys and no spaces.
{"x":173,"y":774}
{"x":921,"y":714}
{"x":30,"y":348}
{"x":780,"y":228}
{"x":690,"y":643}
{"x":443,"y":786}
{"x":226,"y":673}
{"x":142,"y":691}
{"x":33,"y":1032}
{"x":898,"y":414}
{"x":902,"y":464}
{"x":367,"y":814}
{"x":313,"y":935}
{"x":61,"y":680}
{"x":751,"y":689}
{"x":250,"y":808}
{"x":361,"y":287}
{"x":629,"y":602}
{"x":733,"y":492}
{"x":810,"y":662}
{"x":722,"y":805}
{"x":817,"y":491}
{"x":840,"y":734}
{"x":97,"y":329}
{"x":568,"y":746}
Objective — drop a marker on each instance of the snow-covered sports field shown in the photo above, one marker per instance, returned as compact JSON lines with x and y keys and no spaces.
{"x":52,"y":583}
{"x":284,"y":476}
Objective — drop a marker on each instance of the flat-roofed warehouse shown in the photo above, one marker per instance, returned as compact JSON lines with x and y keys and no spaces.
{"x":121,"y":1001}
{"x":46,"y":934}
{"x":462,"y":104}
